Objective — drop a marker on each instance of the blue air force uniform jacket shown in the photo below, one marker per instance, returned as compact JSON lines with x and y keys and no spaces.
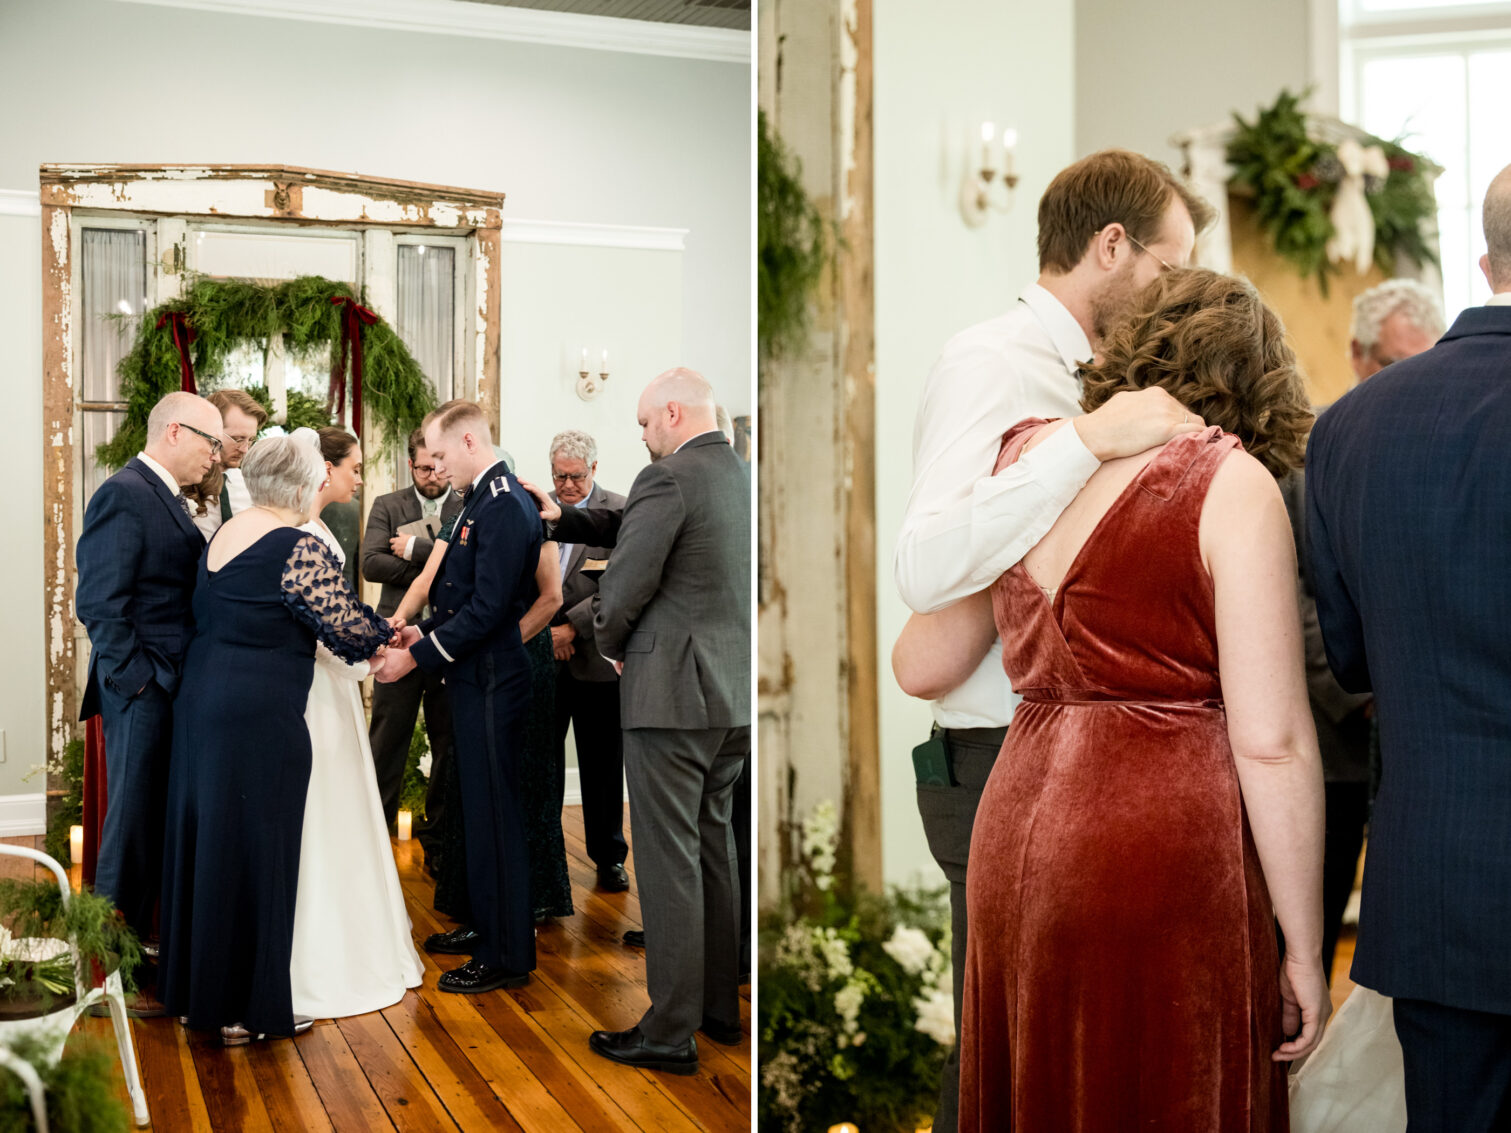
{"x":485,"y":582}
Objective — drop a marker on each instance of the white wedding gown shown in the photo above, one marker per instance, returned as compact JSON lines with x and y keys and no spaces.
{"x":353,"y":952}
{"x":1353,"y":1082}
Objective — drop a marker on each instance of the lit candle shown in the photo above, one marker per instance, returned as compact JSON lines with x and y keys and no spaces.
{"x":844,"y":1127}
{"x":76,"y":844}
{"x":1009,"y":143}
{"x":404,"y":825}
{"x":988,"y":129}
{"x":584,"y":366}
{"x":604,"y":369}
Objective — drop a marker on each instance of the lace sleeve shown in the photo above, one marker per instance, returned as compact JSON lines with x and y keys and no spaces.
{"x":316,"y":592}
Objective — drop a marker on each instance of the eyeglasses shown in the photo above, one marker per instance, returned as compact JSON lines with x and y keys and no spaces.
{"x":423,"y":469}
{"x":1165,"y":264}
{"x":575,"y":477}
{"x":241,"y":442}
{"x":215,"y":445}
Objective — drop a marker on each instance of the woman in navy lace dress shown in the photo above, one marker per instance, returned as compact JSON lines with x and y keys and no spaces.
{"x":241,"y":753}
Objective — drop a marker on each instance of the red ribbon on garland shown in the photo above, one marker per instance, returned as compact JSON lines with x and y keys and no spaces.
{"x":354,"y":317}
{"x":183,"y":335}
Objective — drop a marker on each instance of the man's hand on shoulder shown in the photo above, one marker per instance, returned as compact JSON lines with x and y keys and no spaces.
{"x":1133,"y":421}
{"x":550,"y":510}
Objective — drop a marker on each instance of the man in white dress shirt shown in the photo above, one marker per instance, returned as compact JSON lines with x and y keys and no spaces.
{"x":1108,"y":225}
{"x":244,"y":419}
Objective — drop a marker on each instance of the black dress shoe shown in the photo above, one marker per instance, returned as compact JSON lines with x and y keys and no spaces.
{"x":475,"y":976}
{"x":458,"y":942}
{"x":635,"y":938}
{"x":613,"y":879}
{"x":634,"y":1049}
{"x":729,"y":1034}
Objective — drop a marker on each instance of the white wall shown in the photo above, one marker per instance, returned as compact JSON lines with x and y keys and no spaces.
{"x":940,"y":70}
{"x":567,"y":134}
{"x":1147,"y":70}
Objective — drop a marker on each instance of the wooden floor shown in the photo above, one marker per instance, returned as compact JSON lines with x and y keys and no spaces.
{"x":509,"y":1060}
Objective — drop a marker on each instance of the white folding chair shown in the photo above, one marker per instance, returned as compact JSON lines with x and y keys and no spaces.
{"x":52,"y":1029}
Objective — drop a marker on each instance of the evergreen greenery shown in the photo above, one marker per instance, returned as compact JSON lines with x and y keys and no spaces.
{"x":224,"y":313}
{"x":416,"y":782}
{"x":80,"y":1089}
{"x":101,"y":938}
{"x":1294,"y":179}
{"x":791,"y":254}
{"x":68,"y":810}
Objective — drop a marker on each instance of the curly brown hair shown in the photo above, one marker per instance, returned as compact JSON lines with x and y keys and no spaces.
{"x":1212,"y":343}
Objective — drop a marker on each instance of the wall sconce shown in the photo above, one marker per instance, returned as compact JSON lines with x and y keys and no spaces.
{"x":977,"y":198}
{"x":589,"y":387}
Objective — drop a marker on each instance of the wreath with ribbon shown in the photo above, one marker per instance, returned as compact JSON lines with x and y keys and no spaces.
{"x":1326,"y":203}
{"x":184,"y":345}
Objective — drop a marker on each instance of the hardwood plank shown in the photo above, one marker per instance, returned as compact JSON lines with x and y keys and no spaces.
{"x":232,"y":1098}
{"x":349,"y":1099}
{"x":411,"y":1103}
{"x":174,"y":1097}
{"x":467,"y":1097}
{"x":292,"y":1101}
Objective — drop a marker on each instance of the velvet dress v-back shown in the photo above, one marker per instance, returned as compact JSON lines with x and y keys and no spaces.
{"x":239,"y":773}
{"x":1122,"y":966}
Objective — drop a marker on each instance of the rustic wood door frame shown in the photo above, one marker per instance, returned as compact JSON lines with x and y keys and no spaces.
{"x":281,"y":194}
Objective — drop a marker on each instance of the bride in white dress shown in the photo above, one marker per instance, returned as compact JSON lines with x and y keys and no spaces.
{"x":353,"y":951}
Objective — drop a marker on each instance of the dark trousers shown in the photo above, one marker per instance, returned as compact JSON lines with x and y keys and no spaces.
{"x":592,"y":709}
{"x":1347,"y":814}
{"x":740,"y":811}
{"x":1458,"y":1068}
{"x":396,"y":706}
{"x":488,"y":723}
{"x":681,"y":789}
{"x":948,"y":815}
{"x":138,"y":742}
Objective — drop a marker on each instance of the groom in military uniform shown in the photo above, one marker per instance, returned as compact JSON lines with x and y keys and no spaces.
{"x":472,"y":637}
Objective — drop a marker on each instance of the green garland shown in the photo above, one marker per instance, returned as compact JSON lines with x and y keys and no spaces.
{"x":80,"y":1088}
{"x":1294,"y":179}
{"x":69,"y":810}
{"x":416,"y":782}
{"x":224,"y":313}
{"x":791,"y":253}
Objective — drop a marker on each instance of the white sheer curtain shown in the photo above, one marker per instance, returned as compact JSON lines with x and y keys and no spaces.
{"x":113,"y":282}
{"x":427,"y":310}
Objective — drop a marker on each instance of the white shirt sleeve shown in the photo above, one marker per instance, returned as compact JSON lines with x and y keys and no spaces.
{"x":408,"y":549}
{"x":964,"y":527}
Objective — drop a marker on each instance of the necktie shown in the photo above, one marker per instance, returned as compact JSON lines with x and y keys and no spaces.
{"x":183,"y":502}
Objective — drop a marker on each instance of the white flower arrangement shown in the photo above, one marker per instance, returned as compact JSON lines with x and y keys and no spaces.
{"x":424,"y":764}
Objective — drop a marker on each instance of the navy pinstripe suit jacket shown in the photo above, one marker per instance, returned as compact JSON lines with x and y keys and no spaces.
{"x":1409,"y":528}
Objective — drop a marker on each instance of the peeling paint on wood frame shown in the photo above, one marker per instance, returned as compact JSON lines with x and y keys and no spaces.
{"x":289,"y":194}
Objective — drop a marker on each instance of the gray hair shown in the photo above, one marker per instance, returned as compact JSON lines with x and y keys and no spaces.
{"x":574,"y":444}
{"x":167,"y":411}
{"x":1406,"y":296}
{"x":285,"y":472}
{"x":1497,"y":219}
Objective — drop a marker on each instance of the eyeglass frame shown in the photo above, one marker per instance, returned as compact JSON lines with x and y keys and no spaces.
{"x":423,"y":469}
{"x":216,"y":444}
{"x":240,"y":442}
{"x":574,"y":477}
{"x":1137,"y":243}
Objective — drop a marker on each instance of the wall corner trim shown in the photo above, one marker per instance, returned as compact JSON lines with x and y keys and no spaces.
{"x":20,"y":202}
{"x":593,"y":235}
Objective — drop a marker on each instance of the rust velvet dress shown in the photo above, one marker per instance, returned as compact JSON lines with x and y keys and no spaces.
{"x":1122,"y":967}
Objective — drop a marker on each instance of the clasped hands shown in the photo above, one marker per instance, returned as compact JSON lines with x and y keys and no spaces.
{"x":393,"y":661}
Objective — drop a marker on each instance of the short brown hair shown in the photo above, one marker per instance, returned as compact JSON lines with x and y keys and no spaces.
{"x":1112,"y":186}
{"x":1212,"y":343}
{"x":224,"y":399}
{"x":454,"y":413}
{"x":416,"y":441}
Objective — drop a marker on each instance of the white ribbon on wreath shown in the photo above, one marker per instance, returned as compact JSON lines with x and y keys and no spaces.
{"x":1354,"y":238}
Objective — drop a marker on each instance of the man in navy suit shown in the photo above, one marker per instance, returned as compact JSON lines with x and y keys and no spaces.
{"x":1409,"y":530}
{"x":484,"y":585}
{"x":137,"y":559}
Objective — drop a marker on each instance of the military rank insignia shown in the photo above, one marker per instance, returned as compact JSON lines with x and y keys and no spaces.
{"x":466,"y":531}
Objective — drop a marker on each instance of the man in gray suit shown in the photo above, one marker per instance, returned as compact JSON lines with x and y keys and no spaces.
{"x":395,"y":561}
{"x":674,"y":615}
{"x":587,"y":687}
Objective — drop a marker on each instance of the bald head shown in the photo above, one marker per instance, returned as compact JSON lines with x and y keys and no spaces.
{"x":180,"y":429}
{"x":677,"y":406}
{"x":1496,"y":262}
